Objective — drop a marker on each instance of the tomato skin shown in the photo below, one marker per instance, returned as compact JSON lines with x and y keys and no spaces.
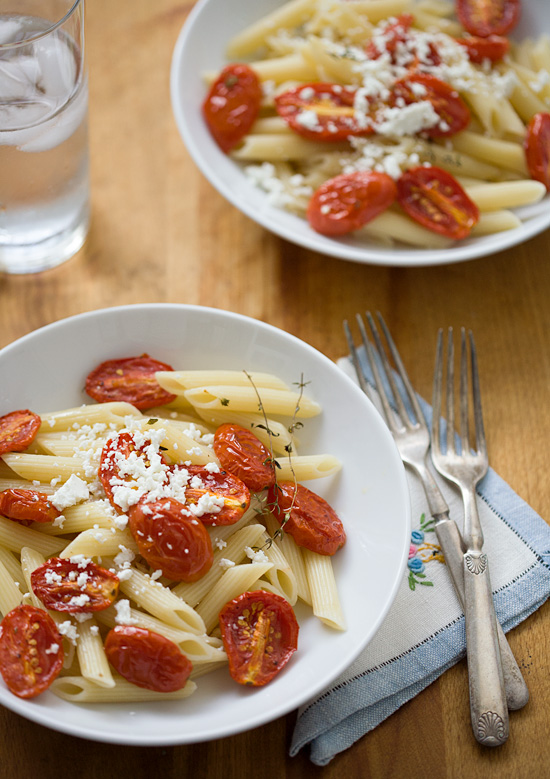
{"x":435,"y":199}
{"x":147,"y":659}
{"x":350,"y":200}
{"x":333,"y":106}
{"x":488,"y":17}
{"x":537,"y":148}
{"x":493,"y":48}
{"x":260,"y":634}
{"x":18,"y":430}
{"x":447,"y":103}
{"x":116,"y":450}
{"x":312,"y":522}
{"x":163,"y":531}
{"x":61,"y":584}
{"x":130,"y":379}
{"x":27,"y":506}
{"x":232,"y":105}
{"x":28,"y":668}
{"x":234,"y":492}
{"x":244,"y":455}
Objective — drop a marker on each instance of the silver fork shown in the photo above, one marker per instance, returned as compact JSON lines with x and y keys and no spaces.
{"x":412,"y":438}
{"x":465,"y":467}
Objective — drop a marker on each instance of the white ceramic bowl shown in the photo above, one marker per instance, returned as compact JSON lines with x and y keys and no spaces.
{"x":200,"y":48}
{"x":45,"y":371}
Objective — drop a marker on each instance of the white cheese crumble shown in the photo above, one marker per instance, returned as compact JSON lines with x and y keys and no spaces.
{"x":123,"y":614}
{"x":74,"y":491}
{"x":256,"y":555}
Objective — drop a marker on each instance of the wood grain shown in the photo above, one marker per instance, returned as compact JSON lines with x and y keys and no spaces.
{"x":160,"y":233}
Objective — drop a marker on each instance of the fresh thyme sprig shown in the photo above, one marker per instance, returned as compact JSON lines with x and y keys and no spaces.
{"x":295,"y":424}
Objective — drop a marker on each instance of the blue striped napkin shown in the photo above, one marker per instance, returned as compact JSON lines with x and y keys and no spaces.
{"x":424,"y":634}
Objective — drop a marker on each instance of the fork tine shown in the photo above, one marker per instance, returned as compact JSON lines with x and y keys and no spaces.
{"x":481,"y":443}
{"x":404,"y":377}
{"x":355,"y":358}
{"x":464,"y":432}
{"x":388,"y":414}
{"x":436,"y":393}
{"x":450,"y":394}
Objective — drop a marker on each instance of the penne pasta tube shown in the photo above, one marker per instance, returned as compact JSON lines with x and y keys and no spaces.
{"x":85,"y":516}
{"x":93,"y":414}
{"x":391,"y":224}
{"x":99,"y":542}
{"x":234,"y":582}
{"x":162,"y":603}
{"x":177,"y":382}
{"x":278,"y":147}
{"x":15,"y":536}
{"x":274,"y":401}
{"x":506,"y":194}
{"x":504,"y":154}
{"x":322,"y":584}
{"x":279,"y":439}
{"x":45,"y":467}
{"x":93,"y":662}
{"x":81,"y":690}
{"x":495,"y":222}
{"x":252,"y":37}
{"x":307,"y":466}
{"x":293,"y":554}
{"x":10,"y":594}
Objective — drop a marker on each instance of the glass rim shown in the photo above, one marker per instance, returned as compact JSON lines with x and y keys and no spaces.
{"x":44,"y":33}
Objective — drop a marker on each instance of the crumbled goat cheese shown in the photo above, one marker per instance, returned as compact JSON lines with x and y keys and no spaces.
{"x":74,"y":491}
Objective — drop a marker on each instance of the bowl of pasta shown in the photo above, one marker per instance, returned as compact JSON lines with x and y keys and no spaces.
{"x":142,"y":499}
{"x":323,"y":122}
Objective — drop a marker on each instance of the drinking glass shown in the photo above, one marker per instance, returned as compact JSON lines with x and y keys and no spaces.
{"x":44,"y":182}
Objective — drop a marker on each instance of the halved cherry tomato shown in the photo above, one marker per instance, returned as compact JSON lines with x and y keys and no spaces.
{"x":435,"y":199}
{"x":260,"y":634}
{"x":244,"y":455}
{"x":206,"y":487}
{"x":324,"y":112}
{"x":493,"y":48}
{"x":120,"y":462}
{"x":131,"y":379}
{"x":31,"y":651}
{"x":349,"y":201}
{"x":18,"y":430}
{"x":75,"y":587}
{"x":392,"y":33}
{"x":147,"y":659}
{"x":171,"y":539}
{"x":488,"y":17}
{"x":453,"y":112}
{"x":537,"y":148}
{"x":232,"y":105}
{"x":307,"y":517}
{"x":27,"y":506}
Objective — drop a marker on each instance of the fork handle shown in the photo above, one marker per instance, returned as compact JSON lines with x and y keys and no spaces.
{"x":488,"y":707}
{"x":448,"y":535}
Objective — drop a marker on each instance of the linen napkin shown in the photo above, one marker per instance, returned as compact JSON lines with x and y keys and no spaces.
{"x":423,"y":634}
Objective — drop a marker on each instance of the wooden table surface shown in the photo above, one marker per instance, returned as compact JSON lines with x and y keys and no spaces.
{"x":160,"y":233}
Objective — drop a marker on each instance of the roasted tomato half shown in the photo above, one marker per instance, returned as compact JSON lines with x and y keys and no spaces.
{"x":347,"y":202}
{"x":232,"y":105}
{"x":454,"y":114}
{"x":147,"y":659}
{"x":260,"y":634}
{"x":18,"y":430}
{"x":435,"y":199}
{"x":27,"y":506}
{"x":488,"y":17}
{"x":171,"y":539}
{"x":219,"y":498}
{"x":31,"y":652}
{"x":493,"y":48}
{"x":121,"y":463}
{"x":307,"y":517}
{"x":241,"y":453}
{"x":537,"y":148}
{"x":131,"y":380}
{"x":75,"y":587}
{"x":325,"y":112}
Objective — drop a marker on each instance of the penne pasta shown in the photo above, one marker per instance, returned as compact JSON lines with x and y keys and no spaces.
{"x":81,"y":690}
